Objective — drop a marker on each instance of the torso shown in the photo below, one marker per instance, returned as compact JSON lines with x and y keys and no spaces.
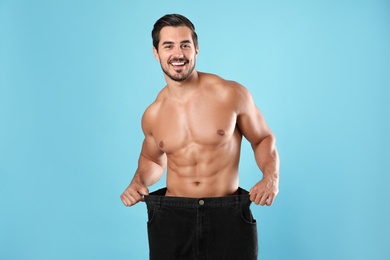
{"x":200,"y":138}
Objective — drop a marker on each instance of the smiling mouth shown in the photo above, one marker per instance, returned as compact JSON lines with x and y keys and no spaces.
{"x":178,"y":62}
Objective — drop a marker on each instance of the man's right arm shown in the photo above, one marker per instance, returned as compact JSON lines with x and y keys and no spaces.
{"x":151,"y":165}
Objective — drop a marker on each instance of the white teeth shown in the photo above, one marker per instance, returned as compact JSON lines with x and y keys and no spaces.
{"x":177,"y":64}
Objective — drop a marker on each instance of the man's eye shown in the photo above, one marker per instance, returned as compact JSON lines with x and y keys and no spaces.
{"x":168,"y":47}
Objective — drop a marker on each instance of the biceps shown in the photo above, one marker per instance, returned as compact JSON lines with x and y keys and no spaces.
{"x":253,"y":126}
{"x":150,"y":151}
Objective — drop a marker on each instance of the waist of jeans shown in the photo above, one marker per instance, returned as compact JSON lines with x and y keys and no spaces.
{"x":158,"y":198}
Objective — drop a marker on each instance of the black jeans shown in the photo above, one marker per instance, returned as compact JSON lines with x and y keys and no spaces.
{"x":206,"y":228}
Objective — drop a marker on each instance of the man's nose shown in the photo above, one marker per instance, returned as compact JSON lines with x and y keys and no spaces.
{"x":178,"y":52}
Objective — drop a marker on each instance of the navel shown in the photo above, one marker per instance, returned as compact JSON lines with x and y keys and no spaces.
{"x":220,"y":132}
{"x":161,"y":144}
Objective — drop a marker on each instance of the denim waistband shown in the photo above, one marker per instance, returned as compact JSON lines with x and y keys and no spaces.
{"x":158,"y":198}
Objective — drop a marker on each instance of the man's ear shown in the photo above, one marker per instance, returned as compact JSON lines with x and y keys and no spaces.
{"x":155,"y":52}
{"x":196,"y":51}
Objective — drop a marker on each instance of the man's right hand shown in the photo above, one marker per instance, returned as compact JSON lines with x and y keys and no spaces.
{"x":134,"y":193}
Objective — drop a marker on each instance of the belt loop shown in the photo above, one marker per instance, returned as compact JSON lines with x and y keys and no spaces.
{"x":159,"y":202}
{"x":237,"y":201}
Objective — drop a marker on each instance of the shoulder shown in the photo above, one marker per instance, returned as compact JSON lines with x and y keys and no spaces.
{"x":212,"y":80}
{"x":230,"y":90}
{"x":151,"y":112}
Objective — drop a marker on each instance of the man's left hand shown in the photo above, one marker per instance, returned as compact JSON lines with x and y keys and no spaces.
{"x":265,"y":191}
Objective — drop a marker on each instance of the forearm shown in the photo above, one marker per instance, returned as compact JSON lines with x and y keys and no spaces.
{"x":148,"y":171}
{"x":267,"y":157}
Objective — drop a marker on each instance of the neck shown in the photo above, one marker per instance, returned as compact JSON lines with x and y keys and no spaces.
{"x":181,"y":89}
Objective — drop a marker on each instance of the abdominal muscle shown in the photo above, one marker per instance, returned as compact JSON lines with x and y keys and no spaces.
{"x":201,"y":187}
{"x":203,"y":174}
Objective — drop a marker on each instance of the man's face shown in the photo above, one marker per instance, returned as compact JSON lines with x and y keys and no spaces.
{"x":176,"y":52}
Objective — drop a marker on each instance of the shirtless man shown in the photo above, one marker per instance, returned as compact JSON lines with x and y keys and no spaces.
{"x":193,"y":130}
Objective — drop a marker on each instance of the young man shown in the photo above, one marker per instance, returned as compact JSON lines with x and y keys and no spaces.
{"x":194,"y":130}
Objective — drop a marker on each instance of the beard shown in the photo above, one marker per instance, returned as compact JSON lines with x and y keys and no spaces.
{"x":178,"y":76}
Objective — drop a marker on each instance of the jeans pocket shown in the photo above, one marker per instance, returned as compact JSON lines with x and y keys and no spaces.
{"x":246,"y":215}
{"x":152,"y":212}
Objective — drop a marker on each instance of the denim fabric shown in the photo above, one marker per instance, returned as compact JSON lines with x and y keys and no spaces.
{"x":201,"y":228}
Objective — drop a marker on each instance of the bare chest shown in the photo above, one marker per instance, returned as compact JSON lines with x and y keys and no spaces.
{"x":202,"y":123}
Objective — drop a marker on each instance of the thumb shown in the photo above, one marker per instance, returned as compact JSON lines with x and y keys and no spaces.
{"x":143,"y":190}
{"x":253,"y":190}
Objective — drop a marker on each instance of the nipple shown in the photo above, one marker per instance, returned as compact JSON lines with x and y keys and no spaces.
{"x":220,"y":132}
{"x":161,"y":144}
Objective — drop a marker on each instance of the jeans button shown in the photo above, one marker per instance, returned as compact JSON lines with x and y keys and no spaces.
{"x":201,"y":202}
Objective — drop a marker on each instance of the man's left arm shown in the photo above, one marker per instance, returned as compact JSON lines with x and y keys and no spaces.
{"x":253,"y":126}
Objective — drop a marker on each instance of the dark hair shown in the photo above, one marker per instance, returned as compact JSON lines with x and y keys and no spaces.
{"x":174,"y":20}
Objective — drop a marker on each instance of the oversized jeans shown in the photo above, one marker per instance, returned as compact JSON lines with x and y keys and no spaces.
{"x":201,"y":228}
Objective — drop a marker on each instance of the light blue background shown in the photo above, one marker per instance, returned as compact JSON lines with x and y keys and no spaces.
{"x":76,"y":76}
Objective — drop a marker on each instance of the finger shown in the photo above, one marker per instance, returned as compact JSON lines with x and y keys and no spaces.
{"x":133,"y":200}
{"x":252,"y":197}
{"x":253,"y":194}
{"x":143,"y":190}
{"x":263,"y":200}
{"x":142,"y":198}
{"x":257,"y":199}
{"x":130,"y":197}
{"x":125,"y":200}
{"x":135,"y":196}
{"x":270,"y":200}
{"x":267,"y":199}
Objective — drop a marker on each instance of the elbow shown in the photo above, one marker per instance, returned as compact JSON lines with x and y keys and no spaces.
{"x":266,"y":140}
